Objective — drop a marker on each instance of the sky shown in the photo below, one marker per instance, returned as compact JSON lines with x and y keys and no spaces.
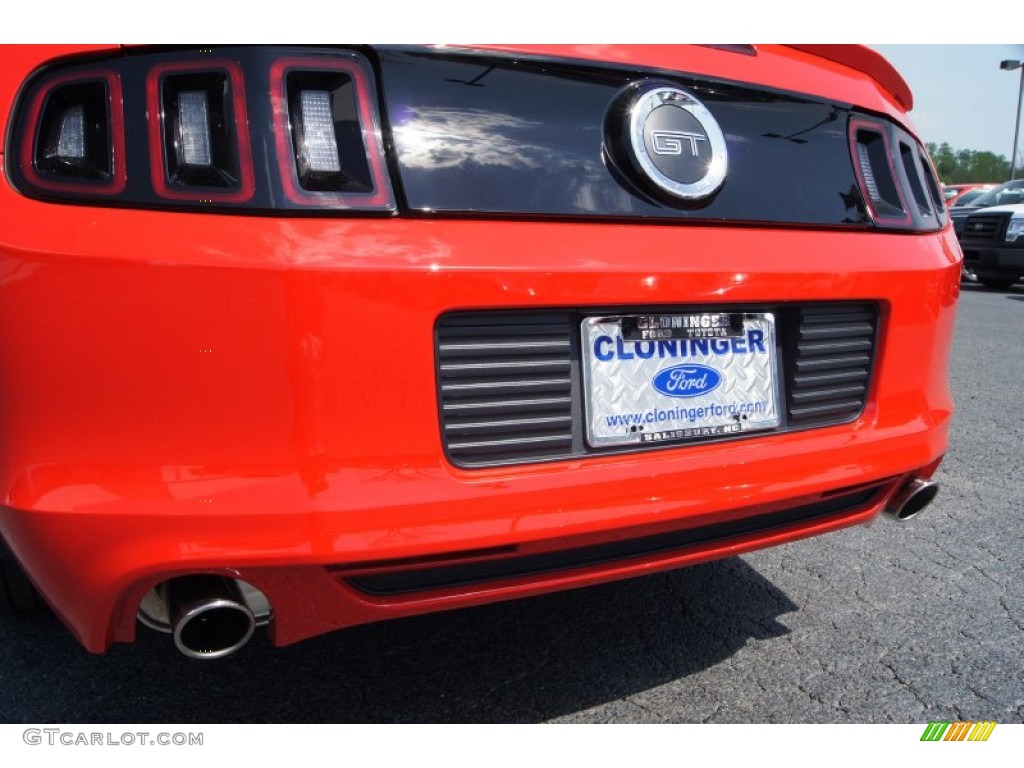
{"x":961,"y":97}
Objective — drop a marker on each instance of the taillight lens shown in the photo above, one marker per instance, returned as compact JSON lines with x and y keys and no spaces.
{"x":328,"y":140}
{"x":874,"y":166}
{"x":73,"y":139}
{"x":199,"y":132}
{"x":931,"y":181}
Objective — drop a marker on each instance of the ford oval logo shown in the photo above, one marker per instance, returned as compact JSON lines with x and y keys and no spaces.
{"x":686,"y":380}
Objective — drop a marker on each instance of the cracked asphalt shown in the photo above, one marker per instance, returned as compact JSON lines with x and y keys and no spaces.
{"x":892,"y":623}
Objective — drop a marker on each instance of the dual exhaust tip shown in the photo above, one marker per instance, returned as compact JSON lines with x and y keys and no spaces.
{"x":208,"y":616}
{"x":911,"y":499}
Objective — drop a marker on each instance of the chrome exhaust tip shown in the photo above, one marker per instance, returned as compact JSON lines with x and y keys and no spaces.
{"x":209,"y":618}
{"x":911,"y":499}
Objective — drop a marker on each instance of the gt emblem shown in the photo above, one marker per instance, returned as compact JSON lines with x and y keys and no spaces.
{"x":675,"y":143}
{"x":671,"y":142}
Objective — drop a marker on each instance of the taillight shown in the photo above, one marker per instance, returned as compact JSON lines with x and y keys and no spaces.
{"x":895,"y":176}
{"x":873,"y":163}
{"x":328,"y":142}
{"x":73,"y":138}
{"x":931,"y":181}
{"x":199,"y":132}
{"x":249,"y":129}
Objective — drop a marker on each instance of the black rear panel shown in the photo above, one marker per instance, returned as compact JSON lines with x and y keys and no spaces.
{"x":451,"y":132}
{"x":491,"y":134}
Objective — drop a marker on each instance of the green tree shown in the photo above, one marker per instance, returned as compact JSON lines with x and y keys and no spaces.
{"x":944,"y":160}
{"x":962,"y":166}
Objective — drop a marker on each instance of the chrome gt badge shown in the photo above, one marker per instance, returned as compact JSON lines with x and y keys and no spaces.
{"x":677,"y":143}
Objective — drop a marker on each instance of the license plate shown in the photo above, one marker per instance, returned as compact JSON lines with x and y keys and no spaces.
{"x":667,"y":377}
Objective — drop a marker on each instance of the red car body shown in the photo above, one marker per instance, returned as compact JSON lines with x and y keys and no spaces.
{"x":955,"y":191}
{"x":256,"y":396}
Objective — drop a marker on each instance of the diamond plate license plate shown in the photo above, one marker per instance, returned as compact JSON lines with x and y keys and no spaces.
{"x":678,"y":384}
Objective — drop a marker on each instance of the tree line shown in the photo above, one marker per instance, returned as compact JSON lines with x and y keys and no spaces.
{"x":959,"y":166}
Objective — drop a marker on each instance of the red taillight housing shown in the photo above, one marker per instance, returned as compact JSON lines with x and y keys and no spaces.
{"x":873,"y":163}
{"x":73,"y":141}
{"x":896,"y":179}
{"x":199,"y":145}
{"x":327,"y":136}
{"x":247,"y":129}
{"x":931,"y":180}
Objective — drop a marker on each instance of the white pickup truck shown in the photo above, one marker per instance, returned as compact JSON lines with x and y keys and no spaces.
{"x":993,"y":244}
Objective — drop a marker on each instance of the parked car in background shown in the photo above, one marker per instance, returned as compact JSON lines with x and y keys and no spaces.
{"x":993,"y":245}
{"x":1009,"y":193}
{"x":949,"y":191}
{"x":1005,"y":194}
{"x":315,"y":336}
{"x":963,"y":194}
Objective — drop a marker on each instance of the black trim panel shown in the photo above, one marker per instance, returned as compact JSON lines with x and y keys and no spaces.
{"x":400,"y":582}
{"x":510,"y":382}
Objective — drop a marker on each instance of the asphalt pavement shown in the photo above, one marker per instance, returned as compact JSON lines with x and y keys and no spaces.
{"x":896,"y":622}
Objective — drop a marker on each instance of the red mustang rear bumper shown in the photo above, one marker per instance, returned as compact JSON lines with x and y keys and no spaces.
{"x":256,"y":397}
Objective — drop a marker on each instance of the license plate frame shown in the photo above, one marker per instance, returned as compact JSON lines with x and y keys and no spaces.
{"x":677,"y":376}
